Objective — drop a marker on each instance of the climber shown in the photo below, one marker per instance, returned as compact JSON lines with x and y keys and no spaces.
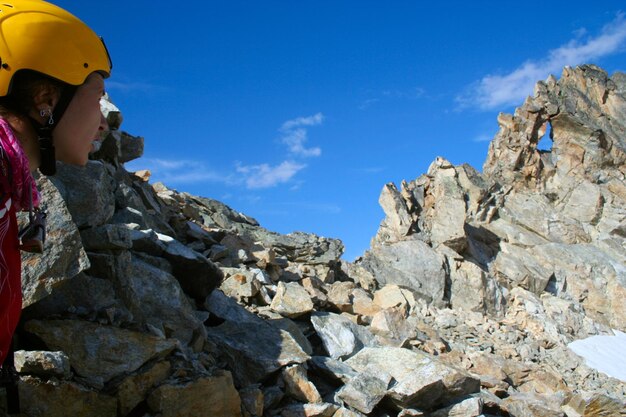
{"x":52,"y":71}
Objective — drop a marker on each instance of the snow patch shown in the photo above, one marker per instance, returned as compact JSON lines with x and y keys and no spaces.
{"x":604,"y":353}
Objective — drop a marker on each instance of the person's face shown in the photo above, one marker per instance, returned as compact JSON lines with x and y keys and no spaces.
{"x":81,"y":124}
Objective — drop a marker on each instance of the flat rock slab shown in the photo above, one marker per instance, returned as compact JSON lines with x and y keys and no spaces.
{"x":213,"y":396}
{"x":422,"y":381}
{"x":63,"y":399}
{"x":99,"y":353}
{"x":256,"y":349}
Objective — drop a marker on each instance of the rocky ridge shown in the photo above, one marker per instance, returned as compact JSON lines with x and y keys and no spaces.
{"x":151,"y":302}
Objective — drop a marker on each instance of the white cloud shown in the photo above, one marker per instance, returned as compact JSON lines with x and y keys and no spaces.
{"x":314,"y":120}
{"x":493,"y":91}
{"x":266,"y":176}
{"x":294,"y":135}
{"x":295,"y":139}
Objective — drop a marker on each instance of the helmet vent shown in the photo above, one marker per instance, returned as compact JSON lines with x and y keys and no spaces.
{"x":86,"y":65}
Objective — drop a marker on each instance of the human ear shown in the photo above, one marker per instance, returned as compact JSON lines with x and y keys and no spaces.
{"x":45,"y":99}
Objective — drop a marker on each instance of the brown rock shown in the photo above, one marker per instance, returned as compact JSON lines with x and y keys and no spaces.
{"x":393,"y":296}
{"x":252,"y":399}
{"x":63,"y":399}
{"x":339,"y":295}
{"x":298,"y":386}
{"x":214,"y":396}
{"x":134,"y":388}
{"x":291,"y":300}
{"x":601,"y":406}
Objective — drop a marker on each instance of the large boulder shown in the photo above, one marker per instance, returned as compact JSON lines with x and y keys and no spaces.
{"x":64,"y":255}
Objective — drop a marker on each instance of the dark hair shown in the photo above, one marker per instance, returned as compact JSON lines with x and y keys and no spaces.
{"x":24,"y":87}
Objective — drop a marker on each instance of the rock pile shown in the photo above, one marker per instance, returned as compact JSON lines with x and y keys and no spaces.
{"x":151,"y":302}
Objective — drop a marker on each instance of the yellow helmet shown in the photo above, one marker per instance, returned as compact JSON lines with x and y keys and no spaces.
{"x":39,"y":36}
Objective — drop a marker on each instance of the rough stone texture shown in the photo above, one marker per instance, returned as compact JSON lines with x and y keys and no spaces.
{"x":255,"y":349}
{"x":291,"y":300}
{"x":474,"y":284}
{"x":111,"y":112}
{"x":298,"y":386}
{"x":532,"y":405}
{"x":210,"y":396}
{"x":540,"y":220}
{"x":62,"y":399}
{"x":155,"y":298}
{"x":341,"y":337}
{"x":333,"y":368}
{"x":364,"y":392}
{"x":197,"y":274}
{"x":41,"y":363}
{"x":133,"y":389}
{"x":252,"y":400}
{"x":99,"y":353}
{"x":422,"y":381}
{"x":63,"y":257}
{"x":410,"y":263}
{"x":88,"y":192}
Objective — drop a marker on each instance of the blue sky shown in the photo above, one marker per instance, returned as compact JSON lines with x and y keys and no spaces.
{"x":297,"y":112}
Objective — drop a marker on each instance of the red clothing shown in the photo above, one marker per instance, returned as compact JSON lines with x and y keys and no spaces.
{"x":16,"y":183}
{"x":10,"y":277}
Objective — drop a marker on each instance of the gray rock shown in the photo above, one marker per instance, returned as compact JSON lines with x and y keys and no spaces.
{"x":422,"y":381}
{"x":295,"y":331}
{"x":398,"y":221}
{"x":106,"y":237}
{"x":448,"y":218}
{"x":155,"y":298}
{"x":364,"y":392}
{"x":131,"y":147}
{"x":83,"y":296}
{"x":341,"y":337}
{"x":469,"y":407}
{"x":111,"y":112}
{"x":129,"y":215}
{"x":226,"y":308}
{"x":197,"y":274}
{"x":64,"y":256}
{"x":89,"y":192}
{"x":147,"y":241}
{"x":254,"y":349}
{"x":411,"y":264}
{"x":332,"y":368}
{"x":291,"y":300}
{"x":42,"y":363}
{"x":99,"y":353}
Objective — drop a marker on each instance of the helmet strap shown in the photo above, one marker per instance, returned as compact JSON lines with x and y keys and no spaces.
{"x":47,"y":157}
